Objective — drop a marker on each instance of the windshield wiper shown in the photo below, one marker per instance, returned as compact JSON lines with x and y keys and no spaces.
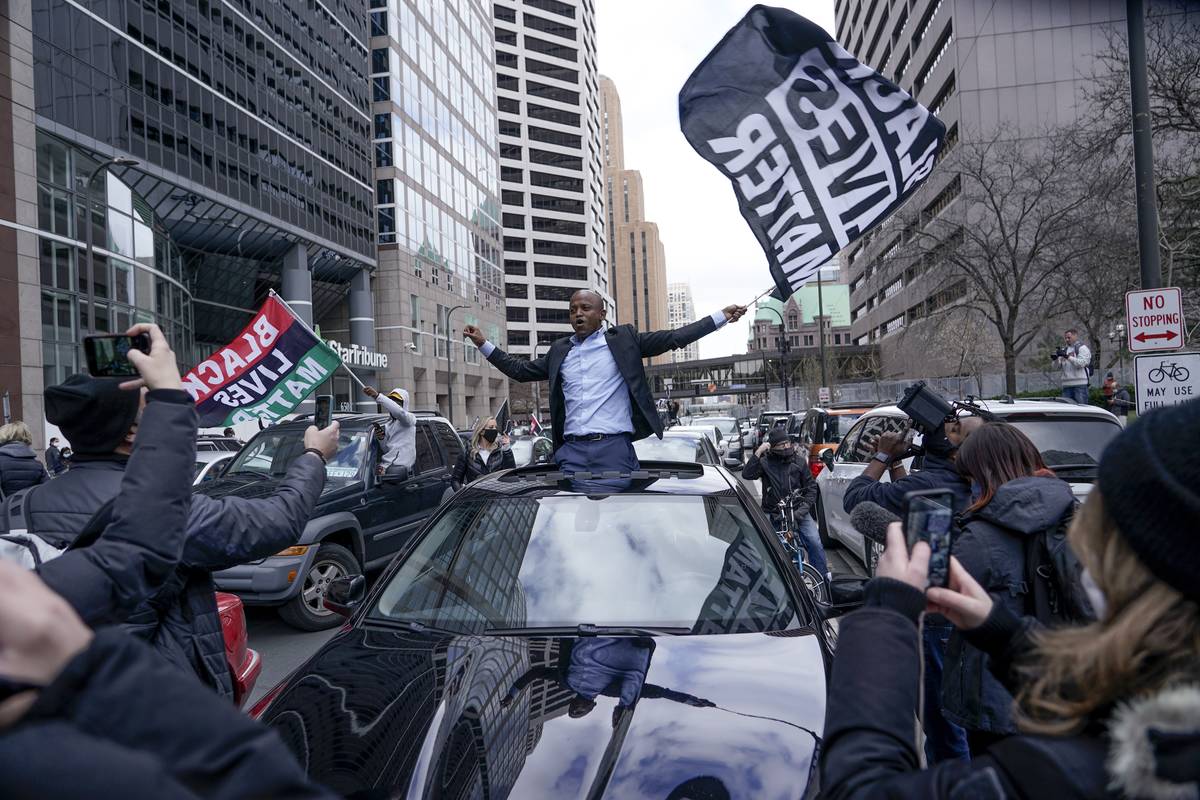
{"x":587,"y":629}
{"x":414,"y":626}
{"x":255,"y":473}
{"x":1057,"y":467}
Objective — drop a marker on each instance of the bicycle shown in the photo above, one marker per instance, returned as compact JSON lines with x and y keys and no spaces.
{"x":788,"y":531}
{"x":1168,"y":369}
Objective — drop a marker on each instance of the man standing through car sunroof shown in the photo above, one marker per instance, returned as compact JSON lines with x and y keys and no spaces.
{"x":600,"y":401}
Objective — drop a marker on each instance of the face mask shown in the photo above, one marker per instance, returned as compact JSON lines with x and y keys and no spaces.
{"x":781,"y":453}
{"x":490,"y":434}
{"x":1094,"y":595}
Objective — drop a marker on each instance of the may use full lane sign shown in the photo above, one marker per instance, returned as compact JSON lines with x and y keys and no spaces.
{"x":1154,"y":320}
{"x":1166,"y":379}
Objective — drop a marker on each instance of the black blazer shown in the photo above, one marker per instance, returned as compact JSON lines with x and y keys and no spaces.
{"x":628,"y":348}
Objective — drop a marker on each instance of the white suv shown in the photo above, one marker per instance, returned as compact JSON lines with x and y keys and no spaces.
{"x":1070,"y":437}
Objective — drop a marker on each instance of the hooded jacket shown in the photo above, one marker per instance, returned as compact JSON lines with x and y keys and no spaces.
{"x":1075,"y":364}
{"x":19,"y":468}
{"x":782,"y":475}
{"x":1147,"y":749}
{"x":991,"y":546}
{"x":400,"y":433}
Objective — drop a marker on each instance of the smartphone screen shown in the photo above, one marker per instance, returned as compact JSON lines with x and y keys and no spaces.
{"x":324,"y":413}
{"x":930,"y":519}
{"x":108,"y":356}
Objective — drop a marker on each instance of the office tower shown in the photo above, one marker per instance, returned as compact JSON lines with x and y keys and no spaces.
{"x":437,"y":204}
{"x":636,"y":258}
{"x":250,"y":127}
{"x":550,"y":165}
{"x":680,"y":311}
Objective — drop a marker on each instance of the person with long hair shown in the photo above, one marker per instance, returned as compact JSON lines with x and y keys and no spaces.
{"x":489,"y":452}
{"x":1110,"y":708}
{"x":1016,"y":497}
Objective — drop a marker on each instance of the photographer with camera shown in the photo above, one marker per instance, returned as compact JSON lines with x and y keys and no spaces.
{"x":943,"y":433}
{"x":1109,"y":708}
{"x":1075,"y":360}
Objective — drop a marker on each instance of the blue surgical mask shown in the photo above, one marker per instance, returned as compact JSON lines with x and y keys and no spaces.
{"x":1094,"y":595}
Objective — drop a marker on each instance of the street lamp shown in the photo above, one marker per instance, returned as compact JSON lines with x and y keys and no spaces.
{"x":450,"y":364}
{"x":783,"y":351}
{"x":118,"y":161}
{"x":1117,"y":337}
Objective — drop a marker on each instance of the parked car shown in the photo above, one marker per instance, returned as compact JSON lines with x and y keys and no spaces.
{"x":731,"y":434}
{"x":679,"y":444}
{"x":1070,"y":437}
{"x":535,"y":641}
{"x":766,"y":420}
{"x":820,"y":429}
{"x":210,"y":464}
{"x":713,"y":432}
{"x":531,"y":450}
{"x":359,"y":523}
{"x":245,"y":664}
{"x":212,"y":443}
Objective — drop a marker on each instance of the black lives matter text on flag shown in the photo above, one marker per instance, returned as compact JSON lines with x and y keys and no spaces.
{"x":819,"y":147}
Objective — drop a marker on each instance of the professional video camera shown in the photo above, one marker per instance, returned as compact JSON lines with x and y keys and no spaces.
{"x":1059,"y":353}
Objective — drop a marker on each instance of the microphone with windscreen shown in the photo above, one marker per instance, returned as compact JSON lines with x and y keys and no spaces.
{"x":872,"y":520}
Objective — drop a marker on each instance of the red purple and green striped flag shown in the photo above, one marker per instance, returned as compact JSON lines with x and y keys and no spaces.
{"x":264,"y":373}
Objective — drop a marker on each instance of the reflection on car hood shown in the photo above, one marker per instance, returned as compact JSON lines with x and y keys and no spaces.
{"x":248,"y":486}
{"x":406,"y":714}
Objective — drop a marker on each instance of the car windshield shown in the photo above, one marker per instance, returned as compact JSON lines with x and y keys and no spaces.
{"x":671,"y":448}
{"x":522,"y":450}
{"x":271,"y":453}
{"x":631,"y":560}
{"x":1071,"y":446}
{"x":724,"y":424}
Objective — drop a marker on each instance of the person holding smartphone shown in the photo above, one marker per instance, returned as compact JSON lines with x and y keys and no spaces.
{"x":1017,"y":497}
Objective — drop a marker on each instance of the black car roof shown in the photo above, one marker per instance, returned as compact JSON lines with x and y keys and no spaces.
{"x":655,"y":477}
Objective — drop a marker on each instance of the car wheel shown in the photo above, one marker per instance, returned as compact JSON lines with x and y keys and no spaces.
{"x":827,"y":541}
{"x":874,"y":551}
{"x":306,"y":610}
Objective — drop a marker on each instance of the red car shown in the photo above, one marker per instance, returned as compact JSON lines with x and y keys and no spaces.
{"x":244,"y":664}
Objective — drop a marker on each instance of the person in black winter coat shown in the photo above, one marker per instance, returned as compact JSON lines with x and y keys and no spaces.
{"x":182,"y":622}
{"x":100,"y":715}
{"x":1018,"y":497}
{"x":54,"y":461}
{"x":784,"y":474}
{"x":1106,"y":709}
{"x":19,"y":467}
{"x":489,"y":452}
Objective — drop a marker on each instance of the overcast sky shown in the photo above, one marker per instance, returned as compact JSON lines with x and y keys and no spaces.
{"x":649,"y":48}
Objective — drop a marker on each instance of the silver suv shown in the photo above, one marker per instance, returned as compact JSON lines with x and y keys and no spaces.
{"x":1070,"y":437}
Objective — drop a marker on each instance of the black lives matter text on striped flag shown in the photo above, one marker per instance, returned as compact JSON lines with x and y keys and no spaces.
{"x":819,"y":147}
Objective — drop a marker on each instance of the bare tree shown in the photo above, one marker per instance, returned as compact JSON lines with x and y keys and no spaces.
{"x":1010,"y":225}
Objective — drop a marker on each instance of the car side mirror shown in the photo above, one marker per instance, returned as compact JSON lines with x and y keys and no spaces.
{"x":344,"y":595}
{"x":845,"y":594}
{"x":732,"y":463}
{"x":827,"y":459}
{"x":396,"y":474}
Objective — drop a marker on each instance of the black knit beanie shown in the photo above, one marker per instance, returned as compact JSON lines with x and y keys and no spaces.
{"x":1150,"y":481}
{"x":93,"y":413}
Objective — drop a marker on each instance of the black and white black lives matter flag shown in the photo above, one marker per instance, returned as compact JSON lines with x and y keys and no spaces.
{"x":819,"y":147}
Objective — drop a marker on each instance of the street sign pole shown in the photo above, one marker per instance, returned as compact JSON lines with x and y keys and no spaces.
{"x":1143,"y":146}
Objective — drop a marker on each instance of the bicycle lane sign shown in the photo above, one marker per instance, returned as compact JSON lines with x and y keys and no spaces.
{"x":1166,"y":379}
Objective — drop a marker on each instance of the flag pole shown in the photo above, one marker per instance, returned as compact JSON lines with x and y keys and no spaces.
{"x":298,"y":318}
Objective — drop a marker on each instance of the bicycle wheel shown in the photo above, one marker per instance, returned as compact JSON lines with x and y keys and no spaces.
{"x":1182,"y":374}
{"x":815,"y":583}
{"x":1160,"y":372}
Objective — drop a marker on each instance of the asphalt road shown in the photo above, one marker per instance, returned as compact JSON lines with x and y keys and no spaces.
{"x":284,"y":648}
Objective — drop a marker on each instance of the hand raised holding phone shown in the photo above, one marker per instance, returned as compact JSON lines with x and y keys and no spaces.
{"x":158,"y":368}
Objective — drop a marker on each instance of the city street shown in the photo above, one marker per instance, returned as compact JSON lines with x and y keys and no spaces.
{"x":283,"y":648}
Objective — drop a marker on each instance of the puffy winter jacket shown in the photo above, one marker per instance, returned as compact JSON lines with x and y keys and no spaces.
{"x":182,"y":620}
{"x":1149,"y":748}
{"x":117,"y":723}
{"x":19,"y":468}
{"x":991,"y":546}
{"x":935,"y":473}
{"x":471,"y":466}
{"x":782,"y":476}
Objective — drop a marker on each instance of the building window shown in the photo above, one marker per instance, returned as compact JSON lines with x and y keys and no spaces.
{"x":568,"y":272}
{"x":561,"y":293}
{"x":553,"y":115}
{"x":560,"y":182}
{"x":553,"y":6}
{"x":518,"y":291}
{"x":512,"y":267}
{"x":514,"y":244}
{"x":560,"y":249}
{"x":516,"y":314}
{"x":506,"y":37}
{"x":544,"y":70}
{"x":379,"y":89}
{"x":560,"y":160}
{"x":556,"y":316}
{"x":513,"y":220}
{"x":554,"y":137}
{"x":551,"y":48}
{"x":379,"y":60}
{"x":535,"y":89}
{"x":560,"y":226}
{"x":504,"y":14}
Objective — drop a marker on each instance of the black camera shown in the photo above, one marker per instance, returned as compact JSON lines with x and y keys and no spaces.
{"x":1060,"y":353}
{"x":925,"y":408}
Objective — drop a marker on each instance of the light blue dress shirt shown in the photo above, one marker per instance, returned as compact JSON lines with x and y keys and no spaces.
{"x":597,"y":398}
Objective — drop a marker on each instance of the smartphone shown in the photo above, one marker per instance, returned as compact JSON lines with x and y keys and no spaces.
{"x":324,"y":413}
{"x":108,"y":356}
{"x":929,"y":518}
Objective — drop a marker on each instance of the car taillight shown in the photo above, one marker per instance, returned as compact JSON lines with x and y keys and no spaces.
{"x":816,"y":465}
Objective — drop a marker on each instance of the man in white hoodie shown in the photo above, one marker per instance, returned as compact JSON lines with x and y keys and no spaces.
{"x":1075,"y":360}
{"x":400,"y":434}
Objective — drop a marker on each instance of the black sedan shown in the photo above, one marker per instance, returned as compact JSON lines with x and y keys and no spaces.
{"x":536,"y":641}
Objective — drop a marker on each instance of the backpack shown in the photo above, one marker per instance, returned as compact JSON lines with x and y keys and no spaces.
{"x":1054,"y":593}
{"x":21,"y":544}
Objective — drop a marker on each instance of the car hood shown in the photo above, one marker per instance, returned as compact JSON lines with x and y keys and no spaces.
{"x":384,"y":712}
{"x":248,"y":486}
